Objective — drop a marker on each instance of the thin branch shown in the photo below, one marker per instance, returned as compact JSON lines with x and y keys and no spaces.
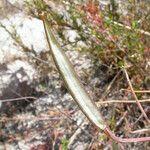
{"x":109,"y":86}
{"x":100,"y":102}
{"x":136,"y":99}
{"x":76,"y":134}
{"x":139,"y":118}
{"x":15,"y":37}
{"x":120,"y":101}
{"x":119,"y":122}
{"x":38,"y":118}
{"x":140,"y":131}
{"x":109,"y":133}
{"x":129,"y":28}
{"x":137,"y":91}
{"x":17,"y":99}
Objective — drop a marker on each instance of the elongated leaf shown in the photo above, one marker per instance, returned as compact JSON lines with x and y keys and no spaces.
{"x":72,"y":81}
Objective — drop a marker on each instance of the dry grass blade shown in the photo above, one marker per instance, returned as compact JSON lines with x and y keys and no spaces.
{"x":138,"y":91}
{"x":100,"y":102}
{"x":18,"y":99}
{"x":30,"y":118}
{"x":120,"y":101}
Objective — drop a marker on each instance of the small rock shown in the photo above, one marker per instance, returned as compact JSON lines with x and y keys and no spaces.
{"x":71,"y":35}
{"x":2,"y":147}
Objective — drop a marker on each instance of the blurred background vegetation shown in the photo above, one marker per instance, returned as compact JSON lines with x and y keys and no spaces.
{"x":113,"y":35}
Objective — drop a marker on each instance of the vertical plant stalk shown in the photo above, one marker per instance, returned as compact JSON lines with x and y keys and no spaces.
{"x":76,"y":89}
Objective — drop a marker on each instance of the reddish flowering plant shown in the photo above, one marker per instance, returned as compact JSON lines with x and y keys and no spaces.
{"x":93,"y":13}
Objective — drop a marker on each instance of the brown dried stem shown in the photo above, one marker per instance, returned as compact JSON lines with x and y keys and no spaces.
{"x":100,"y":102}
{"x":120,"y":101}
{"x":136,"y":99}
{"x":109,"y":133}
{"x":17,"y":99}
{"x":138,"y":91}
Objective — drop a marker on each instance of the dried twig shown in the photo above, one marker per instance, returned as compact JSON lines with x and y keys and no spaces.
{"x":141,"y":116}
{"x":17,"y":99}
{"x":23,"y":118}
{"x":128,"y":27}
{"x":125,"y":140}
{"x":137,"y":91}
{"x":15,"y":37}
{"x":140,"y":131}
{"x":100,"y":102}
{"x":110,"y":85}
{"x":137,"y":120}
{"x":76,"y":134}
{"x":119,"y":122}
{"x":136,"y":99}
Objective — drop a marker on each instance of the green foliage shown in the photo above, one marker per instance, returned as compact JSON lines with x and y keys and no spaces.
{"x":64,"y":143}
{"x":112,"y":12}
{"x":135,"y":24}
{"x":40,"y":4}
{"x":114,"y":45}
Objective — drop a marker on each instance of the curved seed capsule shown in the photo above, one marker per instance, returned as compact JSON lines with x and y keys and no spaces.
{"x":72,"y":81}
{"x":76,"y":89}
